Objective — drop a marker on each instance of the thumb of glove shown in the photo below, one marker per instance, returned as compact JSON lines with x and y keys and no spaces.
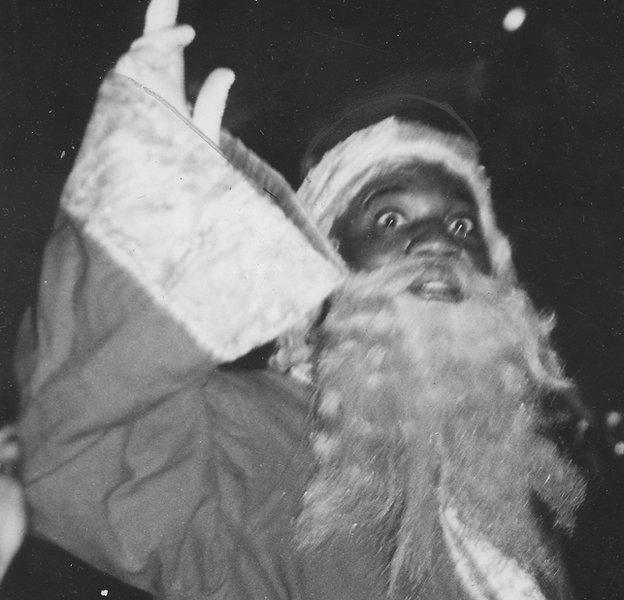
{"x":208,"y":111}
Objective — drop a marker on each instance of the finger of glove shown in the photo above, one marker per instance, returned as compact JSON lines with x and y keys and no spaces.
{"x":156,"y":61}
{"x":210,"y":105}
{"x":165,"y":39}
{"x":160,"y":14}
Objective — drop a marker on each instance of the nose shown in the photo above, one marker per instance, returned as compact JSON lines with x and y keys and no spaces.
{"x":430,"y":243}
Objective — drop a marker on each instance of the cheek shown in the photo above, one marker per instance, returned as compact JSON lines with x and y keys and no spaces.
{"x":479,"y":256}
{"x":367,"y":254}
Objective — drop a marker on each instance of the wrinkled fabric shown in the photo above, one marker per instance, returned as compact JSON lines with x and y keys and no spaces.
{"x":151,"y":464}
{"x":142,"y":454}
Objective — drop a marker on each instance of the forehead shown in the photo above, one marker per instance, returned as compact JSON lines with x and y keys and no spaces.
{"x":416,"y":180}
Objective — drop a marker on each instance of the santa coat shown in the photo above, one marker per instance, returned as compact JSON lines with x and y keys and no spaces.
{"x":143,"y":454}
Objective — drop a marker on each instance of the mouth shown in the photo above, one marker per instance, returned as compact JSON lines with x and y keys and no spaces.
{"x":436,"y":290}
{"x":437,"y":284}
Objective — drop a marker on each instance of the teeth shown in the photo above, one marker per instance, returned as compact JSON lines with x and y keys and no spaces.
{"x":437,"y":289}
{"x":435,"y":286}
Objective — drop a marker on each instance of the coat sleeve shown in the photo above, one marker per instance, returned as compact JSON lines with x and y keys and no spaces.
{"x":165,"y":261}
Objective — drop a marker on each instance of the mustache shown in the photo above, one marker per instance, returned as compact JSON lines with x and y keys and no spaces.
{"x":489,"y":313}
{"x":455,"y":275}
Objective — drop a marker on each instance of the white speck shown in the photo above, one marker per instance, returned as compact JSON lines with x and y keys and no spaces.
{"x":514,"y":19}
{"x":103,"y":592}
{"x":619,"y":449}
{"x":613,"y":419}
{"x":330,"y":403}
{"x":62,"y":153}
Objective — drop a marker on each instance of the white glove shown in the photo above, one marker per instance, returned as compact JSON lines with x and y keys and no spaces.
{"x":156,"y":61}
{"x":12,"y":511}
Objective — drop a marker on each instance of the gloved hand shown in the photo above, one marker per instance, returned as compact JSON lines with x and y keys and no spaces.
{"x":12,"y":512}
{"x":156,"y":61}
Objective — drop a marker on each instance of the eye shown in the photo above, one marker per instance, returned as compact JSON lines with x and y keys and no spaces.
{"x":389,"y":219}
{"x":461,"y":227}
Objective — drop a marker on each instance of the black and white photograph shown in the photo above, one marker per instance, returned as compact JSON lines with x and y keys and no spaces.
{"x":312,"y":300}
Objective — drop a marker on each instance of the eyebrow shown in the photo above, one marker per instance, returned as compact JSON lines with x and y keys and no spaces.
{"x":375,"y":192}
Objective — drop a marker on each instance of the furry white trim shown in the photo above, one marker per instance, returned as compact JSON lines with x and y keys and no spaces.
{"x":484,"y":571}
{"x":350,"y":165}
{"x":208,"y":245}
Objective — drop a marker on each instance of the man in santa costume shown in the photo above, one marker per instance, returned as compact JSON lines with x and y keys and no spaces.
{"x":393,"y":447}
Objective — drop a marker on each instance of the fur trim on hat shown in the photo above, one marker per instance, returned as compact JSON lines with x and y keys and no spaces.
{"x":331,"y":185}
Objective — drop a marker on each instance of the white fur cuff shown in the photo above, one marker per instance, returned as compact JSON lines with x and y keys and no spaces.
{"x":210,"y":247}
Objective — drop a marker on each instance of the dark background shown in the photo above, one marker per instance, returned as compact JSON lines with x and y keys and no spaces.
{"x":546,"y":103}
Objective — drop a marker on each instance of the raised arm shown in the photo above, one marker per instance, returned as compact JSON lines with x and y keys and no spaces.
{"x":169,"y":256}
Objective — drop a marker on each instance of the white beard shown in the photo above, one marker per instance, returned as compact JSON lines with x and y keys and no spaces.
{"x":423,"y":403}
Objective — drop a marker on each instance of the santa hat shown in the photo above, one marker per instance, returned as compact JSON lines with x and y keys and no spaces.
{"x":390,"y":145}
